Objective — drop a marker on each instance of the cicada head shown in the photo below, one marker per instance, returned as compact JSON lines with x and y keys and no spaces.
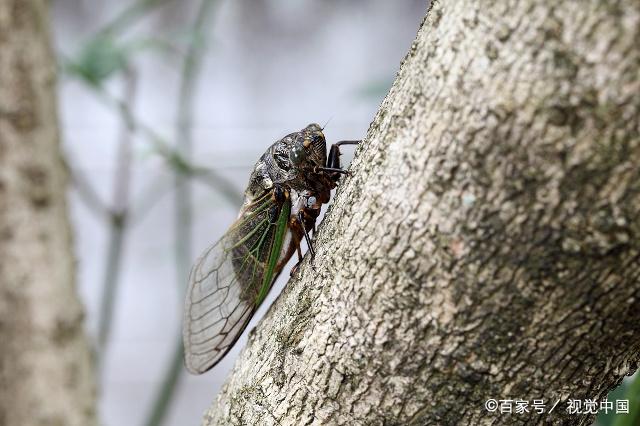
{"x":309,"y":148}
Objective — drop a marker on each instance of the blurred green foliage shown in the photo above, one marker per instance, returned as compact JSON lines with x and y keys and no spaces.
{"x":100,"y":58}
{"x":629,"y":390}
{"x":104,"y":56}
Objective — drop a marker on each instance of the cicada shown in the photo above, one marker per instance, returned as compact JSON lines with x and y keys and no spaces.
{"x":288,"y":186}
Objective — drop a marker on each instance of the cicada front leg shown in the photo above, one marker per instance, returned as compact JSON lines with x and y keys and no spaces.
{"x":333,"y":167}
{"x":333,"y":159}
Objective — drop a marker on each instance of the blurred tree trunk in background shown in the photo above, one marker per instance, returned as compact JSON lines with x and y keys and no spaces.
{"x":46,"y":376}
{"x":488,"y":242}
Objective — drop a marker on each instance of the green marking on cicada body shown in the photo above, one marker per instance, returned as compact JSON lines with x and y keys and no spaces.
{"x":274,"y":256}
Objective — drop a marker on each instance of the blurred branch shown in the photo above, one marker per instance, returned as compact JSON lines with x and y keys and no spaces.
{"x":174,"y":158}
{"x":86,"y":192}
{"x":183,"y":201}
{"x":159,"y":188}
{"x":155,"y":190}
{"x":219,"y":182}
{"x":130,"y":15}
{"x":177,"y":161}
{"x":118,"y":218}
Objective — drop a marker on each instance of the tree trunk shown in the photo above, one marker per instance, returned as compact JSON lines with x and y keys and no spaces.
{"x":46,"y":375}
{"x":487,"y":244}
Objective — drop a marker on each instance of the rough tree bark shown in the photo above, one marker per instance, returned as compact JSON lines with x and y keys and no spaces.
{"x":45,"y":370}
{"x":487,"y":244}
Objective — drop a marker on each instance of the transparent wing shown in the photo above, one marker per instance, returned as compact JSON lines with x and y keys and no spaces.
{"x":230,"y":280}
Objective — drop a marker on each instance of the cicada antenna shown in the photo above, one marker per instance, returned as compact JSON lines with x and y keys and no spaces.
{"x":325,"y":124}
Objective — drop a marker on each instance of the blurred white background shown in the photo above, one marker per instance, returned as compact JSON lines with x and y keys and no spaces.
{"x":269,"y":68}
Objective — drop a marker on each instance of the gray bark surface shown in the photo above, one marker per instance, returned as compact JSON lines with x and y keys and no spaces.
{"x":45,"y":367}
{"x":487,"y":244}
